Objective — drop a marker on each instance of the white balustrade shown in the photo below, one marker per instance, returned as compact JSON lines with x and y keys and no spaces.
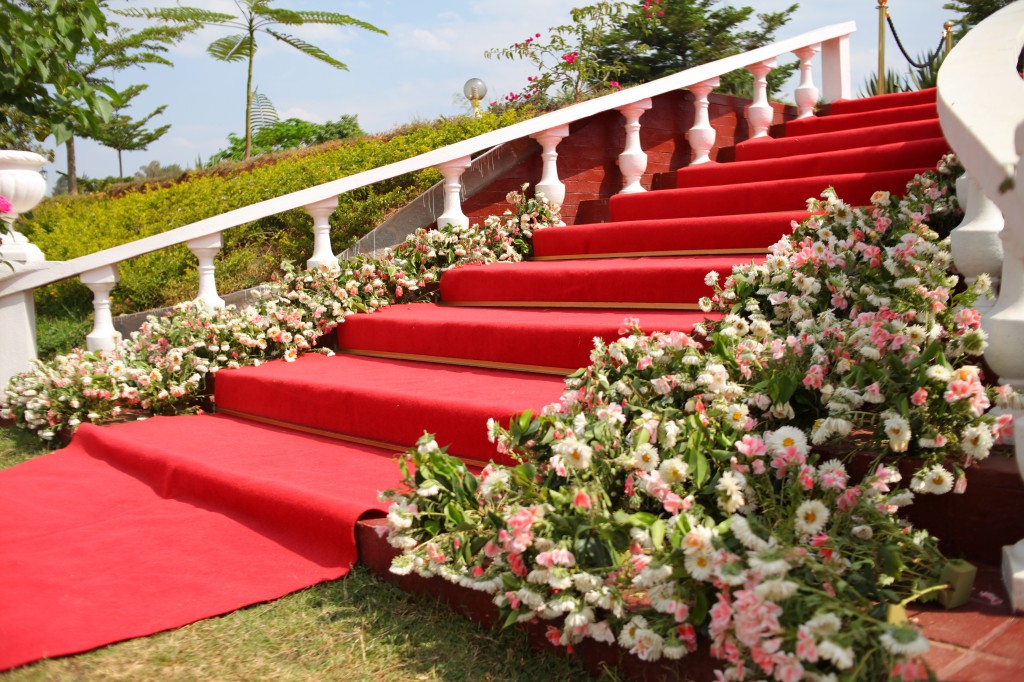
{"x":101,"y":282}
{"x":806,"y":93}
{"x":760,"y":112}
{"x":835,"y":69}
{"x":452,"y":172}
{"x":633,"y":159}
{"x":321,"y":212}
{"x":702,"y":135}
{"x":550,"y":184}
{"x":975,"y":243}
{"x":205,"y":249}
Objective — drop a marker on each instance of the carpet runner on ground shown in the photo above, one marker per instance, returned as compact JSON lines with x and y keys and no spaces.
{"x":144,"y":526}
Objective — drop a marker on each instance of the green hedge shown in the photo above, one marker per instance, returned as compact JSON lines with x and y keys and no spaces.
{"x":67,"y":227}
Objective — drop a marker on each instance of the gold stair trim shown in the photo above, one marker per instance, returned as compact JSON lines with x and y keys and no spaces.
{"x":464,"y":362}
{"x":641,"y":254}
{"x":312,"y":430}
{"x":572,"y":304}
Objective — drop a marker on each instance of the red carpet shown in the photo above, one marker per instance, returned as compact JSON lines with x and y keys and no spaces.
{"x":93,"y":555}
{"x":145,"y":526}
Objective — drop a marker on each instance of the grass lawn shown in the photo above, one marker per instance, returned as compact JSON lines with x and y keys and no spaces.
{"x":357,"y":628}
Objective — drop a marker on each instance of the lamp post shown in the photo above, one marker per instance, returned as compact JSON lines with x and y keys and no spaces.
{"x":883,"y":13}
{"x":475,"y":90}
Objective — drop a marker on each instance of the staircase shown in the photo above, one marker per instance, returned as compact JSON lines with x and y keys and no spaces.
{"x":322,"y":430}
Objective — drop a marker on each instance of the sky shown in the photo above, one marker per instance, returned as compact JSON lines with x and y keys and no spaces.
{"x":416,"y":72}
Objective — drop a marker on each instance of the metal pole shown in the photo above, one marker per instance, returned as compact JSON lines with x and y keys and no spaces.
{"x":948,"y":34}
{"x":883,"y":12}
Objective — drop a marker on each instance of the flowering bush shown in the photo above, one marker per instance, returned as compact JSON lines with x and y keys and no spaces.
{"x":163,"y":368}
{"x":674,"y":488}
{"x":569,"y":62}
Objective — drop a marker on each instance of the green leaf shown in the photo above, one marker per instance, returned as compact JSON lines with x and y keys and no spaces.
{"x":658,"y":529}
{"x":306,"y":48}
{"x":234,"y":48}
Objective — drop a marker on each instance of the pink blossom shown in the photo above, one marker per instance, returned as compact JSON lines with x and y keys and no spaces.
{"x":1002,"y":430}
{"x":806,"y":647}
{"x":582,"y":500}
{"x":919,"y":397}
{"x":570,"y":58}
{"x":910,"y":670}
{"x":615,"y":85}
{"x":5,"y":205}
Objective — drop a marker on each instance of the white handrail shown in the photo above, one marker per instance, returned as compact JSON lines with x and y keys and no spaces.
{"x":64,"y":269}
{"x":981,"y":109}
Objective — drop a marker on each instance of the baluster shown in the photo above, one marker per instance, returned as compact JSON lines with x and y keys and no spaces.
{"x":633,"y":159}
{"x":452,"y":172}
{"x":321,"y":212}
{"x":806,"y":93}
{"x":205,"y":249}
{"x":975,"y":242}
{"x":760,"y":112}
{"x":550,"y":185}
{"x":702,"y":134}
{"x":835,"y":69}
{"x":101,"y":282}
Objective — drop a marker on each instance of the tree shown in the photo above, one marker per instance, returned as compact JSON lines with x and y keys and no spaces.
{"x":290,"y":133}
{"x":154,"y":171}
{"x":661,"y":37}
{"x":21,"y":131}
{"x":973,"y":12}
{"x":40,"y":42}
{"x":257,"y":16}
{"x":122,"y":133}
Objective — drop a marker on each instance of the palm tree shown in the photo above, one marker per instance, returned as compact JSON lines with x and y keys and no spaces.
{"x":255,"y":16}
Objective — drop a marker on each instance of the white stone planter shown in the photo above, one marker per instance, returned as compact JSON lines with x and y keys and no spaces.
{"x":22,"y":185}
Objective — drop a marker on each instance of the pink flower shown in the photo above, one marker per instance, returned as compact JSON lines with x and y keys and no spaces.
{"x":570,"y":58}
{"x":615,"y":84}
{"x":919,"y":397}
{"x":5,"y":205}
{"x":582,"y":500}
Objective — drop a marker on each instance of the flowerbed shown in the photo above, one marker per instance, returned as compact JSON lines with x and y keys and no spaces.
{"x":675,"y":490}
{"x":164,"y":368}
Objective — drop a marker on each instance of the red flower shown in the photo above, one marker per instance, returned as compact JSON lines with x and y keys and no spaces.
{"x":570,"y":58}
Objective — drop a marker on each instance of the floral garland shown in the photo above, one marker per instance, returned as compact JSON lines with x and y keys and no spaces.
{"x":164,"y":367}
{"x":674,"y":490}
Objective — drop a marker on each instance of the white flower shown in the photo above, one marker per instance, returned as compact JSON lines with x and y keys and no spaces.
{"x":730,"y":491}
{"x":785,"y":437}
{"x":742,"y":531}
{"x":699,"y":565}
{"x":811,"y":517}
{"x":776,"y":589}
{"x":935,"y":480}
{"x":674,"y":470}
{"x":840,"y":656}
{"x":938,"y":373}
{"x":897,"y":428}
{"x":824,"y":624}
{"x":629,"y":634}
{"x":645,"y":457}
{"x":904,"y":641}
{"x":574,"y":453}
{"x":862,"y":532}
{"x":976,"y":441}
{"x":711,"y":279}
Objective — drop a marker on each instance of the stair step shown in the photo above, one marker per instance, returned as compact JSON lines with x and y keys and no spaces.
{"x":669,"y":282}
{"x":777,"y":148}
{"x":288,"y":489}
{"x":384,"y":402}
{"x":857,"y":120}
{"x":877,"y":102}
{"x":911,"y":153}
{"x":757,"y":197}
{"x":750,"y":233}
{"x":552,"y":340}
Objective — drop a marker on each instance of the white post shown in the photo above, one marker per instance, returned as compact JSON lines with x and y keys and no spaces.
{"x":760,"y":113}
{"x":1013,"y":555}
{"x":322,"y":253}
{"x":633,"y":159}
{"x":550,"y":185}
{"x":452,"y":172}
{"x":975,"y":242}
{"x":101,"y":282}
{"x":835,"y":69}
{"x":205,"y":249}
{"x":806,"y":93}
{"x":18,"y":322}
{"x":702,"y":134}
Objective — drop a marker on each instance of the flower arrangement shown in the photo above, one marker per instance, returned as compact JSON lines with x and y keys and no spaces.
{"x":164,"y":367}
{"x":676,"y":487}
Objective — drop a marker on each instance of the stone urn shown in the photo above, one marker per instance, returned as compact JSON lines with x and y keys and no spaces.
{"x":23,"y":185}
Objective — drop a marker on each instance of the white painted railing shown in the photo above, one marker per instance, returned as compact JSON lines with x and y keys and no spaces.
{"x":981,"y":108}
{"x":98,"y":271}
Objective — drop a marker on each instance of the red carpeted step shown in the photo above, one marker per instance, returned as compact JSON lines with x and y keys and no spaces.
{"x":888,"y":101}
{"x":672,"y":282}
{"x":756,"y":197}
{"x":814,"y":125}
{"x":775,"y":148}
{"x":542,"y":339}
{"x":908,"y":154}
{"x":93,"y":555}
{"x":385,"y":401}
{"x":746,"y":233}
